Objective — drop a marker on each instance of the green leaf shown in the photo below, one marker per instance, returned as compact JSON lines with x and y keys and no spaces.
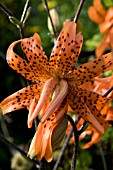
{"x":15,"y":21}
{"x":108,"y":3}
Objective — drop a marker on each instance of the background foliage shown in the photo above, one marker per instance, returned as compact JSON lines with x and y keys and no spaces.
{"x":14,"y":126}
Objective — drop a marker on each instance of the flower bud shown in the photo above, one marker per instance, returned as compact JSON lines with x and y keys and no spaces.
{"x":56,"y":21}
{"x":58,"y":133}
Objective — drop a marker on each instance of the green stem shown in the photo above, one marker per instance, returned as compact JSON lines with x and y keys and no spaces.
{"x":24,"y":11}
{"x":5,"y":10}
{"x":102,"y":156}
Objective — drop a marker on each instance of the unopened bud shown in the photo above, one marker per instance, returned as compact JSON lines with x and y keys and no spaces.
{"x":56,"y":21}
{"x":59,"y":133}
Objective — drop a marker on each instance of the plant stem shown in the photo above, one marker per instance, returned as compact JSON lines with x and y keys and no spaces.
{"x":18,"y":149}
{"x":83,"y":127}
{"x":109,"y":91}
{"x":76,"y":141}
{"x":21,"y":28}
{"x":2,"y":55}
{"x":75,"y":148}
{"x":47,"y":9}
{"x":24,"y":11}
{"x":63,"y":149}
{"x":5,"y":10}
{"x":78,"y":11}
{"x":102,"y":156}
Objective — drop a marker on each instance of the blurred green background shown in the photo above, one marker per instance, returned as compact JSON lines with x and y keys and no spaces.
{"x":14,"y":125}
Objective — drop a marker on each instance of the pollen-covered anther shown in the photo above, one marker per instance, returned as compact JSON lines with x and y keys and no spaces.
{"x":55,"y":103}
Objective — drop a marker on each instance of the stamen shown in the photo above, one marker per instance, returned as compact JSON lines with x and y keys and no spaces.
{"x":31,"y":109}
{"x":61,"y":113}
{"x":56,"y":91}
{"x":55,"y":103}
{"x":44,"y":107}
{"x":47,"y":89}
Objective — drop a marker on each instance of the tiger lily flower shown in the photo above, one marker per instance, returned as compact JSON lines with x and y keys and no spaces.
{"x":56,"y":85}
{"x":104,"y":18}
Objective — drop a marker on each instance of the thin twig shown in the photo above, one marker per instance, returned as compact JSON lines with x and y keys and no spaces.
{"x":2,"y":55}
{"x":63,"y":149}
{"x":47,"y":9}
{"x":102,"y":156}
{"x":78,"y":11}
{"x":75,"y":148}
{"x":83,"y":127}
{"x":22,"y":80}
{"x":105,"y":95}
{"x":18,"y":149}
{"x":5,"y":10}
{"x":21,"y":28}
{"x":65,"y":146}
{"x":76,"y":141}
{"x":109,"y":91}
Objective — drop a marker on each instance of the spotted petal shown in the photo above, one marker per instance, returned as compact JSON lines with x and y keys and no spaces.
{"x":66,"y":50}
{"x":35,"y":54}
{"x":88,"y":71}
{"x":20,"y":99}
{"x":84,"y":103}
{"x":22,"y":66}
{"x":41,"y":144}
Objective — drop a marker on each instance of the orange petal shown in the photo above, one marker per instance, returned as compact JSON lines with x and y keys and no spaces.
{"x":87,"y":106}
{"x":95,"y":102}
{"x":95,"y":137}
{"x":42,"y":147}
{"x":99,"y":7}
{"x":48,"y":154}
{"x":81,"y":109}
{"x":103,"y":46}
{"x":20,"y":99}
{"x":105,"y":27}
{"x":66,"y":50}
{"x":109,"y":15}
{"x":111,"y":38}
{"x":22,"y":66}
{"x":94,"y":15}
{"x":35,"y":54}
{"x":88,"y":71}
{"x":31,"y":109}
{"x":36,"y":143}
